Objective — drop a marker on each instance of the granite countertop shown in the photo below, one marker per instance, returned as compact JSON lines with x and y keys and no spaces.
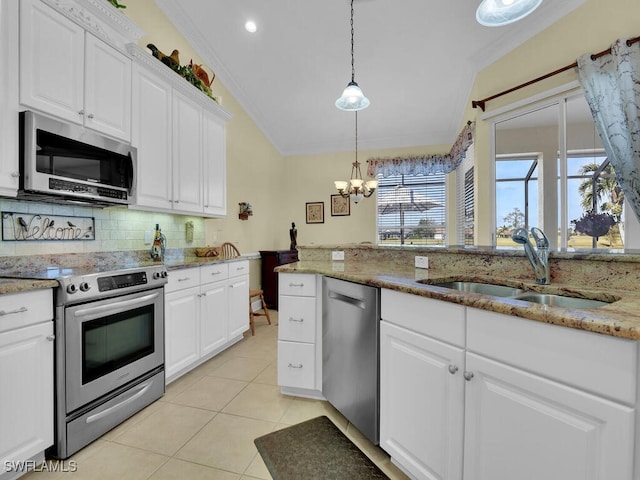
{"x":16,"y":285}
{"x":620,"y":318}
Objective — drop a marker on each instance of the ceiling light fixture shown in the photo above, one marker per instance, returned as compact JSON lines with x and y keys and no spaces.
{"x":356,"y":187}
{"x":352,"y":98}
{"x":495,"y":13}
{"x":251,"y":26}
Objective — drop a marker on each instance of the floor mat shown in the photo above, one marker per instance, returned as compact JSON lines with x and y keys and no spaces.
{"x":315,"y":449}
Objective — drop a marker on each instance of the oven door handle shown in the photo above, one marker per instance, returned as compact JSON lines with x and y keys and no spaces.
{"x":142,"y":390}
{"x":92,"y":311}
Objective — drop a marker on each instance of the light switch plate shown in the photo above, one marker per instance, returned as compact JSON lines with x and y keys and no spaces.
{"x":422,"y":262}
{"x":337,"y":255}
{"x":148,"y":237}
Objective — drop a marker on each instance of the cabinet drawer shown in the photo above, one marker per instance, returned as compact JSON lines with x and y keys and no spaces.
{"x":296,"y":365}
{"x":590,"y":361}
{"x":441,"y":320}
{"x":297,"y":319}
{"x":302,"y":284}
{"x":25,"y":308}
{"x":214,"y":272}
{"x":183,"y":278}
{"x":238,"y":268}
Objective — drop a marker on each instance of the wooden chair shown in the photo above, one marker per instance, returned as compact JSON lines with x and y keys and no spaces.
{"x":252,"y":294}
{"x":229,"y":250}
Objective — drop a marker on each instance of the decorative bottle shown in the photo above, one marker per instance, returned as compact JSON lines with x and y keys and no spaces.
{"x":158,"y":245}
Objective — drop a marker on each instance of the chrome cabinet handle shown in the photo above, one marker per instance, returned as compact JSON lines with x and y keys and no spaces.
{"x":184,"y":279}
{"x":453,"y":369}
{"x":90,"y":116}
{"x":299,"y":365}
{"x":300,"y":320}
{"x":51,"y":338}
{"x":239,"y":268}
{"x":81,"y":112}
{"x":468,"y":376}
{"x":15,"y":174}
{"x":296,"y":284}
{"x":11,"y":312}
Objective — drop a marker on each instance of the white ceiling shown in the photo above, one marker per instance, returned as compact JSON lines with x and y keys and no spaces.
{"x":415,"y":60}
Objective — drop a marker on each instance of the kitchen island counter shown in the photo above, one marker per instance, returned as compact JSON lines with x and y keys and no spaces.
{"x":621,"y":318}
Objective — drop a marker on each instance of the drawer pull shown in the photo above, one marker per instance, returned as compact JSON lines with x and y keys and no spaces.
{"x":184,"y":279}
{"x":299,"y":365}
{"x":296,"y":284}
{"x":239,"y":268}
{"x":10,"y":312}
{"x":216,"y":273}
{"x":300,"y":320}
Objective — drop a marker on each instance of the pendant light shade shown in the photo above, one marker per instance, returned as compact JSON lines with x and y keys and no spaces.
{"x":495,"y":13}
{"x":352,"y":98}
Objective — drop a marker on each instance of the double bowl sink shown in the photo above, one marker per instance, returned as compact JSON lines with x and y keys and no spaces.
{"x":505,"y":291}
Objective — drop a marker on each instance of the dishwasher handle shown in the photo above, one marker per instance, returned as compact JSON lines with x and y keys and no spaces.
{"x":357,"y":302}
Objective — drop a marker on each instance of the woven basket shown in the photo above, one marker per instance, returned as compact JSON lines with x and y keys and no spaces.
{"x":207,"y":252}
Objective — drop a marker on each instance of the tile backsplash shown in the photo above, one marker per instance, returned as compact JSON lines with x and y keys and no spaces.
{"x":116,"y":229}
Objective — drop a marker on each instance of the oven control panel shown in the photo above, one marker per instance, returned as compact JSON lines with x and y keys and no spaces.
{"x":114,"y":282}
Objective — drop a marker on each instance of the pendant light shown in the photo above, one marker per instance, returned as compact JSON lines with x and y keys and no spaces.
{"x":352,"y":98}
{"x":356,"y":187}
{"x":495,"y":13}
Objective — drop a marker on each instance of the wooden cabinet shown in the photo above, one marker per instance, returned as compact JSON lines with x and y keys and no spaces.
{"x":180,"y":136}
{"x":538,"y":400}
{"x":300,"y":335}
{"x":26,"y":376}
{"x":69,"y":73}
{"x":206,"y":311}
{"x":269,"y":279}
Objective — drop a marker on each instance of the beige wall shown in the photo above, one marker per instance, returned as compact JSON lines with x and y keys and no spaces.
{"x":590,"y":28}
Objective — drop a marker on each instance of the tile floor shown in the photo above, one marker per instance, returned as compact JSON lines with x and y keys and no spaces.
{"x":204,"y":426}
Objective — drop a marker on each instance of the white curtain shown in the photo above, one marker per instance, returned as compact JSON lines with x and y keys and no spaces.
{"x":612,"y":88}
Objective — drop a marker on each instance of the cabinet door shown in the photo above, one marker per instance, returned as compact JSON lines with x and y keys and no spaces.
{"x":297,"y":319}
{"x":107,"y":99}
{"x":421,"y":403}
{"x":26,"y":396}
{"x":519,"y":425}
{"x":9,"y":169}
{"x":51,"y":61}
{"x":187,"y":154}
{"x":214,"y":166}
{"x":151,"y":134}
{"x":213,"y":316}
{"x":181,"y":330}
{"x":238,"y":305}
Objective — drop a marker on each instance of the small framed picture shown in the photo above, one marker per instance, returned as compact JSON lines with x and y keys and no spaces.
{"x":315,"y":212}
{"x":340,"y":206}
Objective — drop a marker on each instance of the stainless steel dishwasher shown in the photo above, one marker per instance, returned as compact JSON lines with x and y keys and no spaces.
{"x":350,"y":352}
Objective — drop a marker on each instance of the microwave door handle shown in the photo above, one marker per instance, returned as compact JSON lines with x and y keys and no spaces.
{"x":96,"y":311}
{"x":129,"y":172}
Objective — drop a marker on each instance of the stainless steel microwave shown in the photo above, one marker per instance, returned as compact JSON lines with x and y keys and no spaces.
{"x":65,"y":163}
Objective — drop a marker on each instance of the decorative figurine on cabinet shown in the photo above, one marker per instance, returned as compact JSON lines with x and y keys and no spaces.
{"x":245,"y":211}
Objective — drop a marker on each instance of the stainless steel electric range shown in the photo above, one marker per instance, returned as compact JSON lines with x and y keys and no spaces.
{"x":109,"y":347}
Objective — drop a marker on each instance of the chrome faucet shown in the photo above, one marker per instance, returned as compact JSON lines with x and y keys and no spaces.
{"x":538,"y":258}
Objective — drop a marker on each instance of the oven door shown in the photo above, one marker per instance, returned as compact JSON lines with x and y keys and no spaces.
{"x":111,"y":342}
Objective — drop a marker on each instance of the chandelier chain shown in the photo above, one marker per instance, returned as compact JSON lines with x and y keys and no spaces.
{"x":356,"y":136}
{"x":353,"y":70}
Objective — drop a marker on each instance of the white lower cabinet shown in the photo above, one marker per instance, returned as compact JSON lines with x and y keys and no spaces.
{"x":26,"y":378}
{"x":517,"y":399}
{"x":206,"y":311}
{"x":300,"y":334}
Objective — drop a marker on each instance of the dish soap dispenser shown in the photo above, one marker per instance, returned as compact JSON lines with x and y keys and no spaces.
{"x":158,"y":245}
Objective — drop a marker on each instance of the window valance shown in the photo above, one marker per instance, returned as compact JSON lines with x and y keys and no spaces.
{"x":424,"y":164}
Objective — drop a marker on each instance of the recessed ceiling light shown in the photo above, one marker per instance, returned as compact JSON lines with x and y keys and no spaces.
{"x":251,"y":26}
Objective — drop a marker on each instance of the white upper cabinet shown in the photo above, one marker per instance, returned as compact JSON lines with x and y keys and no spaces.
{"x":68,"y":72}
{"x":180,"y":136}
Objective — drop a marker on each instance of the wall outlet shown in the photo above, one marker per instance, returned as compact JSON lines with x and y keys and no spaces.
{"x":337,"y":255}
{"x":422,"y":262}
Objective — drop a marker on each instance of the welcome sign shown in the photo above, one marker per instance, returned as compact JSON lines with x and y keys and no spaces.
{"x":18,"y":226}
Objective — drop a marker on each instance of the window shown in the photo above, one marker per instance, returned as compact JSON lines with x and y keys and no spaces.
{"x":465,"y":212}
{"x":548,"y":163}
{"x":412,"y":210}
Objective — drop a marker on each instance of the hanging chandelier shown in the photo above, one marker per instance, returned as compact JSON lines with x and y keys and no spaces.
{"x":495,"y":13}
{"x":352,"y":98}
{"x":356,"y":187}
